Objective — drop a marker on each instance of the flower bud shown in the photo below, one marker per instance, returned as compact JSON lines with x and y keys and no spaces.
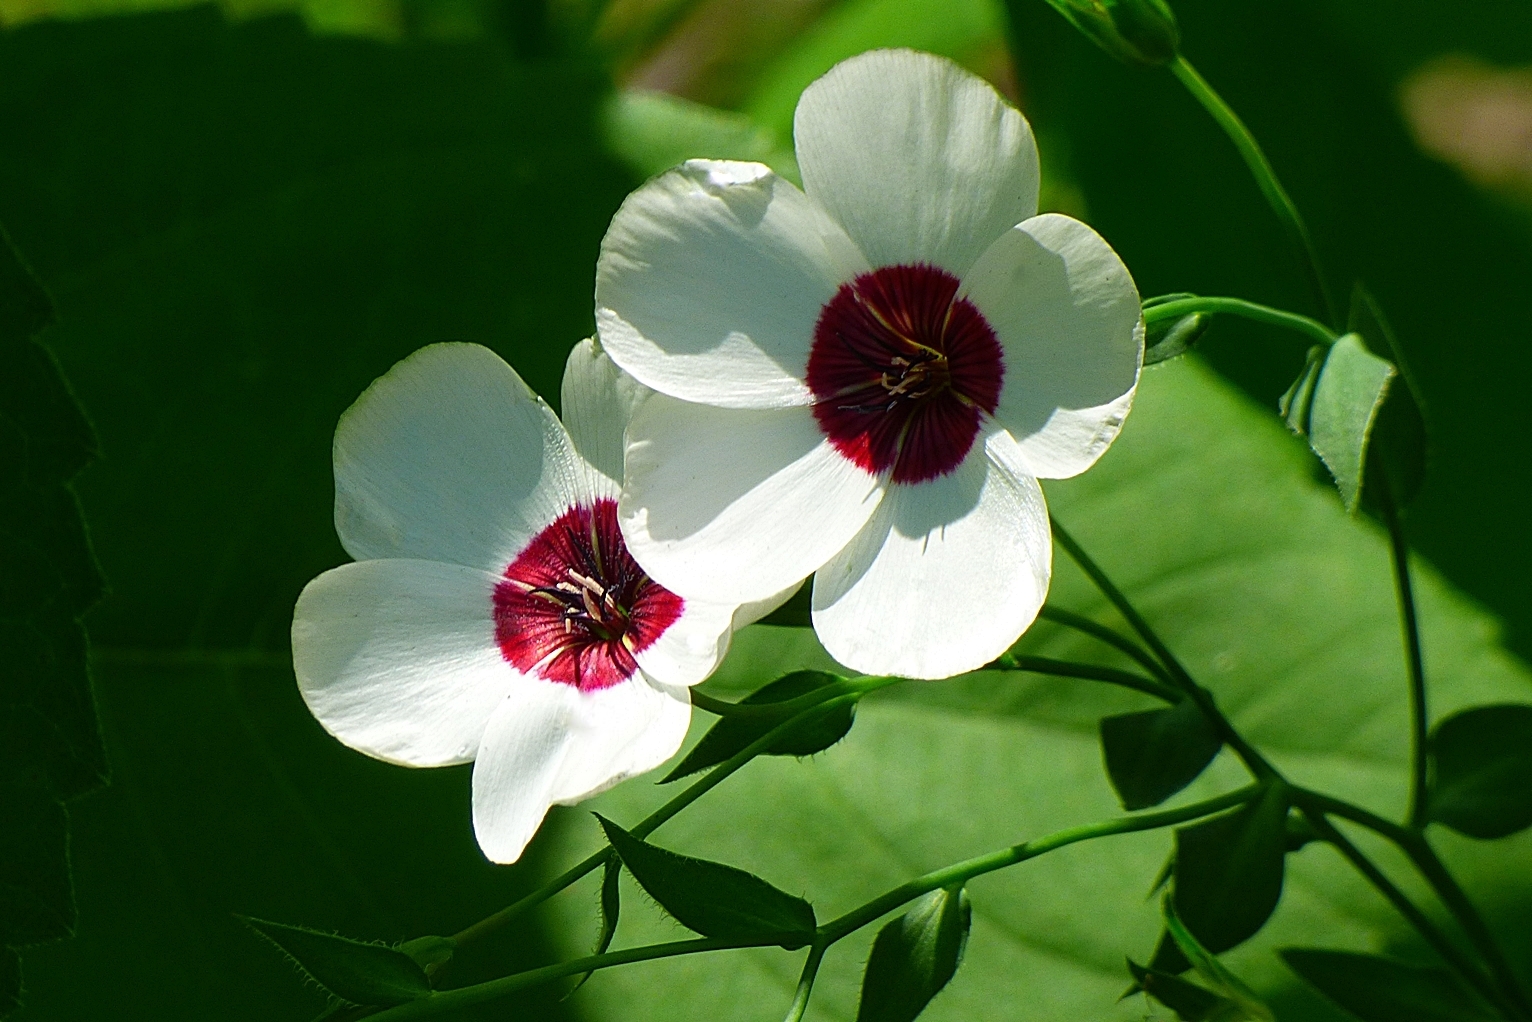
{"x":1134,"y":31}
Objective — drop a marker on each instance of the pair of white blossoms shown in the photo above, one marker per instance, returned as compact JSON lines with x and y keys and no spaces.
{"x":862,"y":380}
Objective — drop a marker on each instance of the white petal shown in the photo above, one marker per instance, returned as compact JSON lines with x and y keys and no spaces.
{"x":691,"y":648}
{"x":597,"y":399}
{"x":449,"y":456}
{"x":620,"y":732}
{"x":398,"y":658}
{"x":920,"y":161}
{"x":520,"y":759}
{"x":750,"y":613}
{"x":711,"y":279}
{"x":732,"y":505}
{"x":945,"y":577}
{"x":1068,"y":319}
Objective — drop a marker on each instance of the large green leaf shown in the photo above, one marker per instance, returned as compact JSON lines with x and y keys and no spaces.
{"x":1277,"y":601}
{"x":242,"y":227}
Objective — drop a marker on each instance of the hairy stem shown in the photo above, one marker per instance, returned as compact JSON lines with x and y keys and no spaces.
{"x":1110,"y":636}
{"x":1265,"y":178}
{"x":1174,"y":310}
{"x":650,"y":823}
{"x":806,"y":983}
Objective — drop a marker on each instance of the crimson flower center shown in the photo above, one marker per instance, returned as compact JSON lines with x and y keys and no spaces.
{"x":902,"y":371}
{"x":574,"y":607}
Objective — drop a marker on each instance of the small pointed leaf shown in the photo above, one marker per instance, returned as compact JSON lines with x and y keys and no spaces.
{"x":350,"y":969}
{"x":1481,"y":761}
{"x":1227,"y":876}
{"x":914,"y":956}
{"x":1153,"y":754}
{"x":1350,"y":392}
{"x":731,"y":734}
{"x":1165,"y":341}
{"x":1190,"y":1002}
{"x":1377,"y":989}
{"x":611,"y":908}
{"x":1223,"y":982}
{"x":711,"y":898}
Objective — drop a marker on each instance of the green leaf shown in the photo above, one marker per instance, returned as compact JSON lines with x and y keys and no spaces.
{"x":361,"y":973}
{"x":1227,"y":877}
{"x":243,"y":225}
{"x":1352,"y":388}
{"x":1050,"y":934}
{"x":1297,"y":404}
{"x":1377,"y":989}
{"x":1152,"y":754}
{"x":1213,"y":972}
{"x":711,"y":898}
{"x":1190,"y":1002}
{"x":36,"y":898}
{"x":50,"y":743}
{"x":731,"y":734}
{"x":914,"y":956}
{"x":10,"y":981}
{"x":1481,"y":771}
{"x":1399,"y":442}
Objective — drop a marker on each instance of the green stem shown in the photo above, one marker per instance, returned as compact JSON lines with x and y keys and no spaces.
{"x":1265,"y":178}
{"x":479,"y":993}
{"x":1110,"y":636}
{"x":1180,"y":307}
{"x":649,"y":824}
{"x":962,"y":872}
{"x":1410,"y":627}
{"x":724,"y":708}
{"x":1252,"y":759}
{"x":806,"y":983}
{"x":1088,"y":672}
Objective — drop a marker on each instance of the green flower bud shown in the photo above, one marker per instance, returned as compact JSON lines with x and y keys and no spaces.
{"x":1134,"y":31}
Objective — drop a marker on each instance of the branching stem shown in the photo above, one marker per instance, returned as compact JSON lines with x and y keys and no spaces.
{"x":1110,"y":636}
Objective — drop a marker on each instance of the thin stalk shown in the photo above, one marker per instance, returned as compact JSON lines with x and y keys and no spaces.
{"x":962,"y":872}
{"x":1265,"y":178}
{"x":1410,"y":626}
{"x":1089,"y":672}
{"x":463,"y":997}
{"x":1418,"y":919}
{"x":1252,"y":759}
{"x":484,"y":927}
{"x":806,"y":983}
{"x":1169,"y":311}
{"x":1110,"y":636}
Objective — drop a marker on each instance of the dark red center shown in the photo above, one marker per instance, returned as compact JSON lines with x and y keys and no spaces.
{"x":574,"y":606}
{"x":902,"y":370}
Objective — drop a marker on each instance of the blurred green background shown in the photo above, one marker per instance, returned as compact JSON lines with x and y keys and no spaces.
{"x":244,"y":213}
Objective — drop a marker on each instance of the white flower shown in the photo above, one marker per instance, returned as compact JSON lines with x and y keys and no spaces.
{"x":493,"y":613}
{"x":865,"y":379}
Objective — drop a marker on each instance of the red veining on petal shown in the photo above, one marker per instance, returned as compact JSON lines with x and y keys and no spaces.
{"x":901,"y":370}
{"x":574,"y":606}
